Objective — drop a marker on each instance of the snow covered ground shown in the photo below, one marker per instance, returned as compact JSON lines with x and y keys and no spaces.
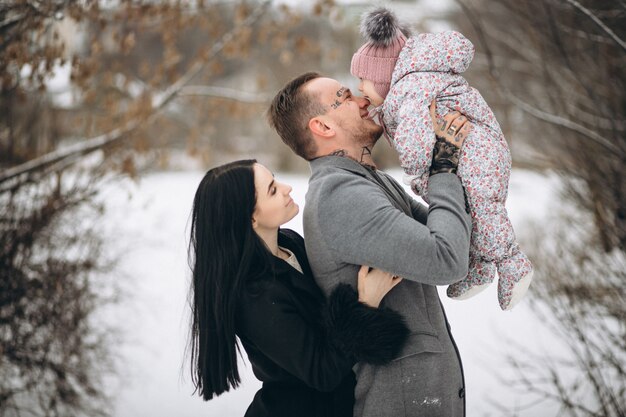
{"x":148,"y":223}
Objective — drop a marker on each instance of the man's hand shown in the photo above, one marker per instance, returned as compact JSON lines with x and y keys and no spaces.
{"x":453,"y":128}
{"x":450,"y":132}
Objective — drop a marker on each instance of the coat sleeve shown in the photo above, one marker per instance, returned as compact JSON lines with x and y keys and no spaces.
{"x":371,"y":335}
{"x":414,"y":136}
{"x":418,"y":210}
{"x":321,"y":354}
{"x":361,"y":227}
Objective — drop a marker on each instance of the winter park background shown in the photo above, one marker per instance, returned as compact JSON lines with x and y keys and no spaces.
{"x":112,"y":110}
{"x":151,"y":218}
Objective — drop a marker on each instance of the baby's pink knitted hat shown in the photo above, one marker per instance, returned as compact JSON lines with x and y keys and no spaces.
{"x":376,"y":59}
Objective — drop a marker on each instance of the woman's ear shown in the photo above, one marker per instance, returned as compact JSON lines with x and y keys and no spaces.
{"x":320,"y":127}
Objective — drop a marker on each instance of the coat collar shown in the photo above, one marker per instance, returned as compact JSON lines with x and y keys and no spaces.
{"x":295,"y":243}
{"x":285,"y":272}
{"x":332,"y":161}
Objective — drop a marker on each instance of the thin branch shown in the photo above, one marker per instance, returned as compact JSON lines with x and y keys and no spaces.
{"x":598,"y":22}
{"x":175,"y":88}
{"x":581,"y":34}
{"x":478,"y":27}
{"x":158,"y":103}
{"x":72,"y":151}
{"x":560,"y":121}
{"x":11,"y":20}
{"x":227,"y":93}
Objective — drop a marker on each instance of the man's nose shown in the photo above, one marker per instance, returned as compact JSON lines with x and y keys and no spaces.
{"x":363,"y":102}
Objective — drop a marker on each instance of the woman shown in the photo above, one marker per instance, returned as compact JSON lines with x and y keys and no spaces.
{"x":252,"y":280}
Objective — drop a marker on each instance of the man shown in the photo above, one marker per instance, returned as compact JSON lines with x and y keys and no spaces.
{"x":356,"y":215}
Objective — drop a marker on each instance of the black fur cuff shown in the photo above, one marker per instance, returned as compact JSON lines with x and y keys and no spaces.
{"x":372,"y":335}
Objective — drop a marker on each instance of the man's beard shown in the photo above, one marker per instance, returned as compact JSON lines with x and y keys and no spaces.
{"x":367,"y":134}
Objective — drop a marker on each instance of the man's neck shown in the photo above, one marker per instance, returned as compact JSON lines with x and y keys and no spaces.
{"x":364,"y":157}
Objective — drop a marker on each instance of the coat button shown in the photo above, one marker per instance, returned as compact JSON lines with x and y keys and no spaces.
{"x":462,"y":393}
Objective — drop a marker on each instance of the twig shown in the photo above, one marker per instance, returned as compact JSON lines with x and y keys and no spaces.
{"x":223,"y":92}
{"x":561,"y":121}
{"x":598,"y":22}
{"x":158,"y":103}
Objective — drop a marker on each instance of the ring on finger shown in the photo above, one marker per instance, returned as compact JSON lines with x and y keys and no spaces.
{"x":452,"y":130}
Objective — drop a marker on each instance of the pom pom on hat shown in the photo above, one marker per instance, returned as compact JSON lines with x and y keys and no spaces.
{"x":376,"y":59}
{"x":380,"y":26}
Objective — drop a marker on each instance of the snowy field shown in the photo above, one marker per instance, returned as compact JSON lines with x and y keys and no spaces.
{"x":148,"y":223}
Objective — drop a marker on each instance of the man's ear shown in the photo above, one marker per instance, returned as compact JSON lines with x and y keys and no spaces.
{"x":320,"y":127}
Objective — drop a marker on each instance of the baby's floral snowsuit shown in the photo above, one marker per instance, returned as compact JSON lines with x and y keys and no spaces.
{"x":428,"y":69}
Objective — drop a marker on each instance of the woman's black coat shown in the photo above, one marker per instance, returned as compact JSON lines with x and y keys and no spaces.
{"x":303,"y":347}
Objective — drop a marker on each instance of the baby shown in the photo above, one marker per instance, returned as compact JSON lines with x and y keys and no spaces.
{"x":401,"y":77}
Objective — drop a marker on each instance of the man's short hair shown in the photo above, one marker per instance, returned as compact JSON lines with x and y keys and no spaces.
{"x":290,"y":112}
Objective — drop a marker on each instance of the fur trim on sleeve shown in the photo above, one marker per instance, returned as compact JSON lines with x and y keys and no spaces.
{"x":372,"y":335}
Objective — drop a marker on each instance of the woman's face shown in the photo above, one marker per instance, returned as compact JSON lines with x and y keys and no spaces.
{"x":274,"y":207}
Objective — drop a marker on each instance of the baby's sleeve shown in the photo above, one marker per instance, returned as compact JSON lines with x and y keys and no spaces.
{"x":414,"y":136}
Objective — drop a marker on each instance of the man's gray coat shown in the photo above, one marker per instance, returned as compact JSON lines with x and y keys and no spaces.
{"x":358,"y":216}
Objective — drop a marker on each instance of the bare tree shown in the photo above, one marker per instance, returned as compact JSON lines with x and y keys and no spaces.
{"x":560,"y":64}
{"x":141,"y":74}
{"x":53,"y":356}
{"x":580,"y":299}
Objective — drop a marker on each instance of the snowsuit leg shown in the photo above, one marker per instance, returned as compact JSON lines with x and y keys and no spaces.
{"x":485,"y":168}
{"x":514,"y":276}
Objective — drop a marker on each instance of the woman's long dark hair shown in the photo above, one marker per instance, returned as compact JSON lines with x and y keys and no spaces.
{"x":224,"y":252}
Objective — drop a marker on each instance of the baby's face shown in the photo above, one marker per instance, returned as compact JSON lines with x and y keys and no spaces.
{"x":366,"y":87}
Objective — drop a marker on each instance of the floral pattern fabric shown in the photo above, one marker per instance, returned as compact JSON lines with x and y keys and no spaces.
{"x":428,"y":69}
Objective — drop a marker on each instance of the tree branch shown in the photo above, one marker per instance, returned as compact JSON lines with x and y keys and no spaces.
{"x":581,"y":34}
{"x":227,"y":93}
{"x":11,"y":20}
{"x":598,"y":22}
{"x":159,"y":101}
{"x":560,"y":121}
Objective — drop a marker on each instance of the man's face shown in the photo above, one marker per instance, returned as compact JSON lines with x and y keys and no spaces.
{"x":347,"y":113}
